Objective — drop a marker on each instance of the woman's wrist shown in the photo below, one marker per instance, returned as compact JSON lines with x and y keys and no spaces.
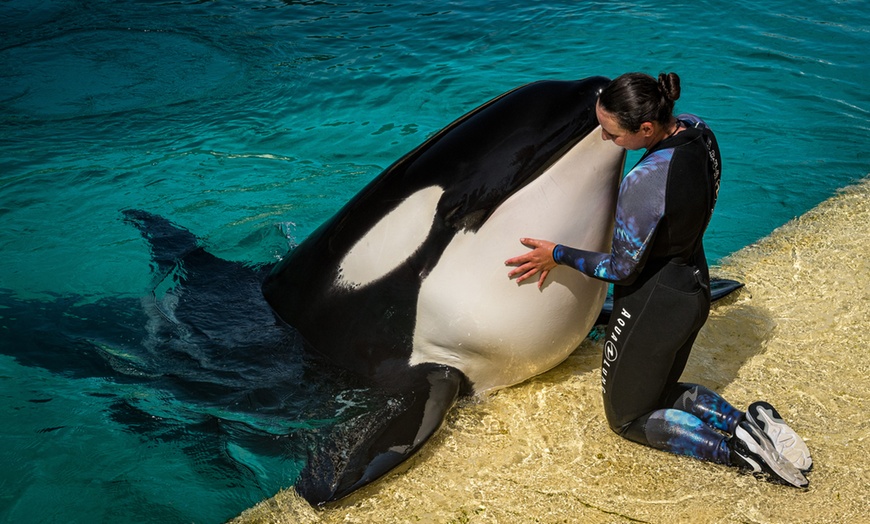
{"x":556,"y":253}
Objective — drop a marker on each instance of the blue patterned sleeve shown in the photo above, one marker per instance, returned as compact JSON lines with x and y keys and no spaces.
{"x":639,"y":210}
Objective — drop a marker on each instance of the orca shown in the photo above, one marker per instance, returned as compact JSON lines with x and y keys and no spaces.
{"x":406,"y":287}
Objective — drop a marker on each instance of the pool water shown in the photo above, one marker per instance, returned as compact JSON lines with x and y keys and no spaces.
{"x":250,"y":123}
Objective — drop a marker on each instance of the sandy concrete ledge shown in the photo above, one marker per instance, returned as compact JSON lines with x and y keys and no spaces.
{"x":797,"y":336}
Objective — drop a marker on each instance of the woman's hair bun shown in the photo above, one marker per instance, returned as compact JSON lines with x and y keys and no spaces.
{"x":635,"y":98}
{"x":669,"y":85}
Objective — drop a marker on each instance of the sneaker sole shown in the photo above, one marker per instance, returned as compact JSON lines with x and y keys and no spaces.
{"x":784,"y":439}
{"x":774,"y":463}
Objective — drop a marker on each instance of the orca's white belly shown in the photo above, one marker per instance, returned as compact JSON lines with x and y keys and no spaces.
{"x":471,"y":316}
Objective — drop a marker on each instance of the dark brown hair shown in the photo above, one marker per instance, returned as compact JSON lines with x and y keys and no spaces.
{"x":635,"y":98}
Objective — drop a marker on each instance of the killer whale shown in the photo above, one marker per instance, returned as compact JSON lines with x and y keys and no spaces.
{"x":405,"y":285}
{"x":246,"y":397}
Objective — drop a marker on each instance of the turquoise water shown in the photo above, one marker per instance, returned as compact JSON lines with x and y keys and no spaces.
{"x":249,"y":123}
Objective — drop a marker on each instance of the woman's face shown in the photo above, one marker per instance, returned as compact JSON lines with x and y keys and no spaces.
{"x":611,"y":130}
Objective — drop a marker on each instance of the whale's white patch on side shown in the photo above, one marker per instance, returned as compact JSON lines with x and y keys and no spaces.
{"x":472,"y":317}
{"x":392,"y":240}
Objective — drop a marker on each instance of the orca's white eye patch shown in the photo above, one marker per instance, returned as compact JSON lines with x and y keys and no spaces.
{"x":392,"y":240}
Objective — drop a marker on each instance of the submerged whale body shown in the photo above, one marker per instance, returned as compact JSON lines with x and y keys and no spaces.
{"x":406,"y":285}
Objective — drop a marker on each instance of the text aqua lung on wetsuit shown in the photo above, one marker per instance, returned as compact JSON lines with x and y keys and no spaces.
{"x":717,"y":176}
{"x":610,"y":351}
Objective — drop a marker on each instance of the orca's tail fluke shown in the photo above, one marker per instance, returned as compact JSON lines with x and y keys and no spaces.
{"x":367,"y":448}
{"x":722,"y":287}
{"x":169,"y":243}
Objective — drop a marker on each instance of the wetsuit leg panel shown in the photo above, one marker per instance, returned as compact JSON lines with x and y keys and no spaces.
{"x":706,"y":404}
{"x":681,"y":433}
{"x":648,"y":340}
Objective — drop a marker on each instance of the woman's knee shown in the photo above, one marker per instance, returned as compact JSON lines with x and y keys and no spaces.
{"x":617,"y":421}
{"x":630,"y":428}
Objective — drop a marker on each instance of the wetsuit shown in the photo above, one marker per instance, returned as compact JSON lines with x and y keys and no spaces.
{"x":661,"y":298}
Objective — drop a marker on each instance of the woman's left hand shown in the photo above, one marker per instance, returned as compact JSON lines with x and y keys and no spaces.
{"x":539,"y":259}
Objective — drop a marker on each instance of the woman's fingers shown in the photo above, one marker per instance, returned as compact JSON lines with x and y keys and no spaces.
{"x":522,"y":269}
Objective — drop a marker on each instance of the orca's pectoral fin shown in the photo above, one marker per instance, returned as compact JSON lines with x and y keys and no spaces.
{"x":719,"y":288}
{"x":370,"y":446}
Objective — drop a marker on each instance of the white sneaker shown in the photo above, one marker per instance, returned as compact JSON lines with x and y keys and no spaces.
{"x":784,"y":439}
{"x":751,"y":449}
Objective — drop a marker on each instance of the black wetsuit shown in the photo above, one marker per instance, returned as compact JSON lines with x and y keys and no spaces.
{"x":661,"y":298}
